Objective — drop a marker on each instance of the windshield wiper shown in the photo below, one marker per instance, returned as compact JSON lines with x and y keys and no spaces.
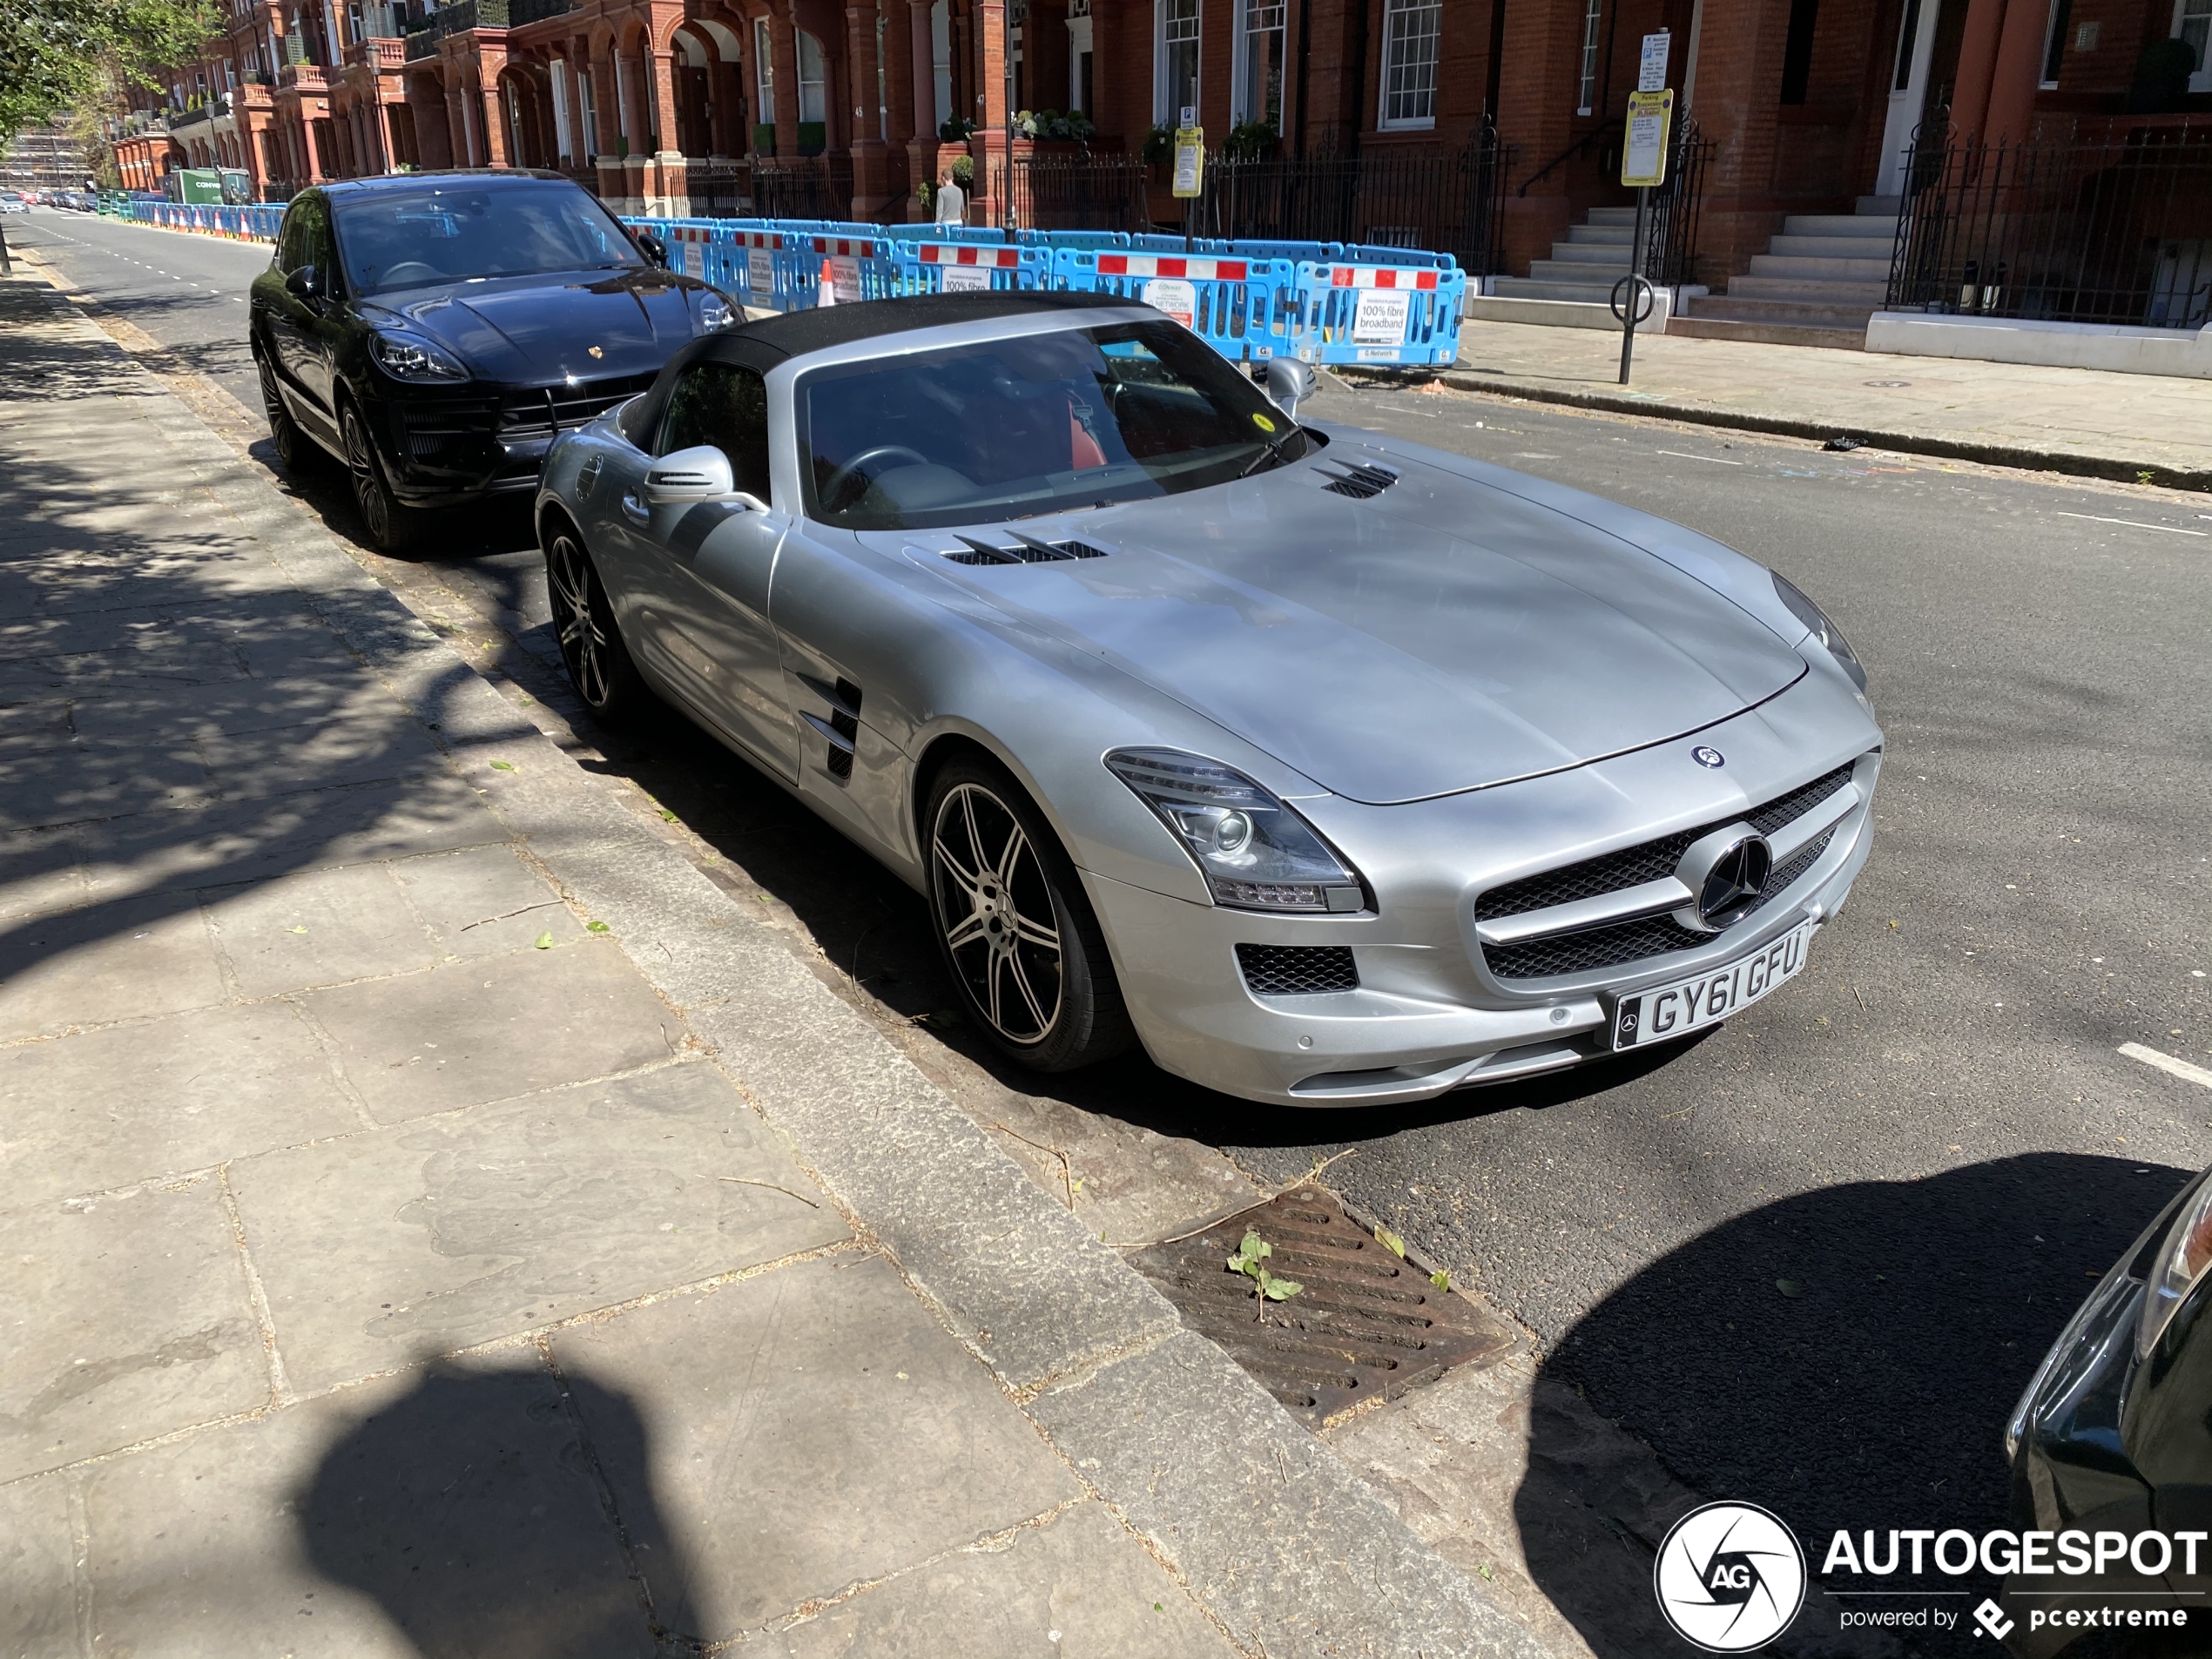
{"x":1273,"y":452}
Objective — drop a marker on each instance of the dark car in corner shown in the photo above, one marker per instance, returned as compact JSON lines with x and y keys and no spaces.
{"x":2112,"y":1441}
{"x":435,"y":331}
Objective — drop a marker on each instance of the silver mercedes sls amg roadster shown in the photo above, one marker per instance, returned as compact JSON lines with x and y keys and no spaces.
{"x":1332,"y":769}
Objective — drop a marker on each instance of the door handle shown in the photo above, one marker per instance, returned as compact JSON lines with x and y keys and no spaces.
{"x":636,"y":511}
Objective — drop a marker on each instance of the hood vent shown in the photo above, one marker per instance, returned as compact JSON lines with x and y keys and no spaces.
{"x":1361,"y":479}
{"x":1027,"y":551}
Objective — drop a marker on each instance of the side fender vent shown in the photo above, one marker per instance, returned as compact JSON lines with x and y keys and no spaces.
{"x":1361,"y":479}
{"x":841,"y":731}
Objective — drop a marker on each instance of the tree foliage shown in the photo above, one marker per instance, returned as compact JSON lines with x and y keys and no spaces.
{"x":54,"y":53}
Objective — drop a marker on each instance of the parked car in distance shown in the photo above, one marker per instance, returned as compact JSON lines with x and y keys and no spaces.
{"x":2113,"y":1435}
{"x":1334,"y":769}
{"x":436,"y":330}
{"x":12,"y":202}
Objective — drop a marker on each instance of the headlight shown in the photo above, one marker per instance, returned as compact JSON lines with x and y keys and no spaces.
{"x":1257,"y":853}
{"x":1826,"y":631}
{"x":715,"y":312}
{"x":2184,"y":1255}
{"x":411,"y":358}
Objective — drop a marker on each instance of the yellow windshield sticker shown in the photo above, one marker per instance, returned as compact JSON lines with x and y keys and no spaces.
{"x":1262,"y":423}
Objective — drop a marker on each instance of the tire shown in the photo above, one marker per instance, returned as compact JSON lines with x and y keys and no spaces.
{"x":592,"y":648}
{"x":392,"y":527}
{"x":298,"y":452}
{"x":1015,"y":927}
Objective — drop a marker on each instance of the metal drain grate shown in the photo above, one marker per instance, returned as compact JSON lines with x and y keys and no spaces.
{"x":1366,"y":1325}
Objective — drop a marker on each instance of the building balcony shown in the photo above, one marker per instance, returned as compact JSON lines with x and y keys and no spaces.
{"x":378,"y":52}
{"x":303,"y":76}
{"x":207,"y":112}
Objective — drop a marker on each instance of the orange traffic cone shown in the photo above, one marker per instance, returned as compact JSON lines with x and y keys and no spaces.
{"x":826,"y":291}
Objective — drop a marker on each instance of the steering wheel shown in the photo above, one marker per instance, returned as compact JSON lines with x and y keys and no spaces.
{"x":410,"y":271}
{"x":837,"y":480}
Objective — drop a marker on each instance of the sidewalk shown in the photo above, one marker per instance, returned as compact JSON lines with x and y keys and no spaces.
{"x":2066,"y":420}
{"x":441,"y":1222}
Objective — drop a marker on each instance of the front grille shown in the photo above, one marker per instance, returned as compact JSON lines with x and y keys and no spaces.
{"x":1631,"y":941}
{"x":1298,"y":970}
{"x":439,"y":429}
{"x":524,"y":415}
{"x":1634,"y":866}
{"x":1621,"y":943}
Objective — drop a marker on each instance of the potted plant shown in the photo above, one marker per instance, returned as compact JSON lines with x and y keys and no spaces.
{"x":1250,"y":141}
{"x":814,"y":137}
{"x":764,"y":138}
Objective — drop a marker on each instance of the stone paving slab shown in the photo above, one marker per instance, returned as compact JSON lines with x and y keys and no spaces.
{"x":2075,"y":420}
{"x":129,"y":959}
{"x":125,"y":1318}
{"x":451,"y":1514}
{"x":815,"y":1429}
{"x":134,"y":1103}
{"x":506,"y":1025}
{"x":37,"y":1593}
{"x":381,"y":1249}
{"x":1077,"y":1587}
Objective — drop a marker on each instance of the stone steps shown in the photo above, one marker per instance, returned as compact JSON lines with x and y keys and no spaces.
{"x":1767,"y":333}
{"x":1869,"y":293}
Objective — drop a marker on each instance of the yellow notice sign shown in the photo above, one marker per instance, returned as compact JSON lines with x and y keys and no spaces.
{"x":1644,"y":153}
{"x":1189,"y":160}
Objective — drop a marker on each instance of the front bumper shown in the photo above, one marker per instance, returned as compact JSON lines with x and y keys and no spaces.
{"x":444,"y":445}
{"x":1428,"y":1015}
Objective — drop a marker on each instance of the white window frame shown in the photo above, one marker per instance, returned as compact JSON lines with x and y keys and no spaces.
{"x":1391,"y":64}
{"x":1079,"y":47}
{"x":1586,"y":80}
{"x":2050,"y":37}
{"x":818,"y":86}
{"x":764,"y":74}
{"x":1164,"y":108}
{"x":563,"y":136}
{"x":1245,"y":102}
{"x":587,"y":102}
{"x":2186,"y":11}
{"x":940,"y":58}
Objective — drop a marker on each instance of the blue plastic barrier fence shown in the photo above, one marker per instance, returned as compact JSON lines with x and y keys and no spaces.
{"x":1363,"y":312}
{"x":955,"y":267}
{"x":1245,"y":309}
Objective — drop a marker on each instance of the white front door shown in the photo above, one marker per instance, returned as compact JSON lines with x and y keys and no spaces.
{"x":1078,"y":63}
{"x":1908,"y":90}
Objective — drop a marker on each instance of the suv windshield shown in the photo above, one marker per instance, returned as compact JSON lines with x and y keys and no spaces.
{"x":1039,"y":423}
{"x":451,"y":232}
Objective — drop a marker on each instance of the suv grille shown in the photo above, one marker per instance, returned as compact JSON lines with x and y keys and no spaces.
{"x":1298,"y":970}
{"x":1619,"y":943}
{"x":562,"y":408}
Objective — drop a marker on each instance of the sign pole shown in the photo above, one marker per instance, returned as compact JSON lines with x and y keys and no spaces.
{"x":1636,"y":285}
{"x":1189,"y":167}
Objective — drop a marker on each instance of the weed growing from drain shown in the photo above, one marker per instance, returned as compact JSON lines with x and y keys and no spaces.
{"x":1250,"y":1260}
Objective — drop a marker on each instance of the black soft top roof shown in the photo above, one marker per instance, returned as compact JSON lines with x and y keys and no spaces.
{"x":795,"y":332}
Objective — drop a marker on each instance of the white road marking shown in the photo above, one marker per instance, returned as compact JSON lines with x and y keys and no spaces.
{"x":2166,"y":1062}
{"x":2134,"y":524}
{"x":1681,"y":456}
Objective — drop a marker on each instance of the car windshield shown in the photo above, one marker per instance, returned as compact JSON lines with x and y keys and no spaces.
{"x":452,"y":233}
{"x":1039,"y":423}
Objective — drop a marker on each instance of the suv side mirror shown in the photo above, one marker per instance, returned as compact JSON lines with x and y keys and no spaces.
{"x":1288,"y":380}
{"x":653,"y":248}
{"x":701,"y":473}
{"x":306,"y":283}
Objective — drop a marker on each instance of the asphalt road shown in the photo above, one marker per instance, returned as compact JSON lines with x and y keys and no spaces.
{"x":1813,"y":1259}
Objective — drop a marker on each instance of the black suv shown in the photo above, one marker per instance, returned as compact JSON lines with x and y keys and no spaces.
{"x":436,"y":330}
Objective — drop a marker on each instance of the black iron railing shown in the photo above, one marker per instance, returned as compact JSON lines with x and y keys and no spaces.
{"x":1084,"y":190}
{"x":2117,"y":232}
{"x":1446,"y":200}
{"x":1671,"y":240}
{"x":803,"y":187}
{"x":723,"y":190}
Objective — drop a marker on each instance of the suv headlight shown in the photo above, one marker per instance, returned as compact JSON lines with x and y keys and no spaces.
{"x":1256,"y":853}
{"x":1826,"y":631}
{"x":2184,"y":1256}
{"x":408,"y":358}
{"x":715,"y":312}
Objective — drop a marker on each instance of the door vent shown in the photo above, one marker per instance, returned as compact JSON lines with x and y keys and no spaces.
{"x":1026,"y":550}
{"x":1298,"y":970}
{"x":1361,"y":481}
{"x":841,"y":731}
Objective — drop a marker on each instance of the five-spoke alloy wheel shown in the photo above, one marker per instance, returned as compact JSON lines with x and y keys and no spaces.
{"x":1016,"y":931}
{"x":591,"y":645}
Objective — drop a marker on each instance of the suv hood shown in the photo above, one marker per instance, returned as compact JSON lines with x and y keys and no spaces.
{"x":1440,"y":636}
{"x":536,"y":329}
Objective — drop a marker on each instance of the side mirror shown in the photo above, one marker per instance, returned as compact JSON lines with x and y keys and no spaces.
{"x":701,"y":473}
{"x":306,"y":283}
{"x":1288,"y":380}
{"x":653,"y":248}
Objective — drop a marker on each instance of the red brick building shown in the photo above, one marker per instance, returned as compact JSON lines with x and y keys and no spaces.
{"x":675,"y":104}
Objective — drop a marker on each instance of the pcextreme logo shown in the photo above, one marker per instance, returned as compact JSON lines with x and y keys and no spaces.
{"x":1730,"y":1577}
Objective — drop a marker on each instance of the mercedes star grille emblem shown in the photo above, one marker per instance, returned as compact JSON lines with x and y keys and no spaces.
{"x":1708,"y":757}
{"x":1734,"y":882}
